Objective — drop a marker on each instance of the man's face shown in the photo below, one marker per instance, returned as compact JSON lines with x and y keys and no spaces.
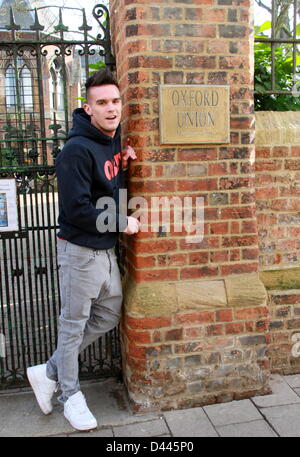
{"x":104,"y":105}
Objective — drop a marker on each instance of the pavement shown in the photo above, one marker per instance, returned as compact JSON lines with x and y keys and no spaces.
{"x":273,"y":415}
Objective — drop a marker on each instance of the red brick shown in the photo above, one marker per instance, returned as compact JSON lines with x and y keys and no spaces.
{"x":138,"y":337}
{"x":191,"y":273}
{"x":198,"y":258}
{"x":195,"y":30}
{"x":217,"y":169}
{"x":295,"y":152}
{"x":249,"y":226}
{"x":171,"y":259}
{"x":138,"y":352}
{"x":243,"y":212}
{"x":238,"y":241}
{"x":174,"y":334}
{"x":197,"y":154}
{"x":156,"y":275}
{"x":195,"y":318}
{"x":219,"y":256}
{"x":262,"y":152}
{"x":196,"y":185}
{"x":266,"y":192}
{"x":215,"y":330}
{"x":148,"y":322}
{"x":251,"y":313}
{"x":194,"y":332}
{"x":140,"y":171}
{"x":234,"y":198}
{"x":234,"y":328}
{"x":161,"y":246}
{"x":150,"y":62}
{"x":250,"y":326}
{"x":224,"y":315}
{"x":138,"y":77}
{"x":239,"y":268}
{"x":136,"y":364}
{"x":250,"y":254}
{"x":156,"y":337}
{"x":142,"y":125}
{"x":235,"y":228}
{"x":141,"y":262}
{"x":214,"y":15}
{"x":268,"y":165}
{"x":152,"y":186}
{"x":212,"y":242}
{"x":280,"y":151}
{"x":242,"y":123}
{"x":262,"y":325}
{"x":292,"y":164}
{"x":234,"y":255}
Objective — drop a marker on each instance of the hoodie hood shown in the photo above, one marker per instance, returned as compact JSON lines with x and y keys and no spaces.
{"x":82,"y":127}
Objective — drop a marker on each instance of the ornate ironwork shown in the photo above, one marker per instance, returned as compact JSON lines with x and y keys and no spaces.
{"x":43,"y":74}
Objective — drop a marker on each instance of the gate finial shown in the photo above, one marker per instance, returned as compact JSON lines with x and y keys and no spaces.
{"x":12,"y":26}
{"x":85,"y":26}
{"x":61,"y":27}
{"x":36,"y":26}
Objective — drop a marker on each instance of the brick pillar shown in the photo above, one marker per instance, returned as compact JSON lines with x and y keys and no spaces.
{"x":195,"y":327}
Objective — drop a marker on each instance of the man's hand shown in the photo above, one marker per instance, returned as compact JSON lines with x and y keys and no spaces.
{"x":133,"y":226}
{"x":128,"y":153}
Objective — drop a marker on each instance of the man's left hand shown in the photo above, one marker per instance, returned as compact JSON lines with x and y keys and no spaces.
{"x":127,"y":153}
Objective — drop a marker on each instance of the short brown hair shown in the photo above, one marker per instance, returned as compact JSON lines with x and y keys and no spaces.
{"x":100,"y":78}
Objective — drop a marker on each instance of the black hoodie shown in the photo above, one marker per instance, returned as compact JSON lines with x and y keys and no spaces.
{"x":89,"y":167}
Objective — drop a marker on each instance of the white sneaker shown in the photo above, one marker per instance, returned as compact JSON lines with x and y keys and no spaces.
{"x":42,"y":386}
{"x":78,"y":413}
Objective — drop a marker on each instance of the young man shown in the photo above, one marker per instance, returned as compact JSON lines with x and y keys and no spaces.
{"x":88,"y":168}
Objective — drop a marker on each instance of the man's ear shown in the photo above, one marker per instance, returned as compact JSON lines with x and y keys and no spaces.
{"x":87,"y":109}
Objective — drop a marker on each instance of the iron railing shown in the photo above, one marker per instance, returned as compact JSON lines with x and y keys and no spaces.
{"x":41,"y":78}
{"x":280,"y":36}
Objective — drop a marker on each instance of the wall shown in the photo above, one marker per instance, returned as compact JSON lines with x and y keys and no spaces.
{"x":277,"y":195}
{"x":195,"y":325}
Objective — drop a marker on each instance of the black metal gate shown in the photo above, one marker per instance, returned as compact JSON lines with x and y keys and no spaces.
{"x":42,"y":72}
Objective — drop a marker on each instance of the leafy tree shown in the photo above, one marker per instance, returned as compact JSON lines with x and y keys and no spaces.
{"x":285,"y":79}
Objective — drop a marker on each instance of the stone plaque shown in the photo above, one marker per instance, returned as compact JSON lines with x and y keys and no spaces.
{"x":195,"y":114}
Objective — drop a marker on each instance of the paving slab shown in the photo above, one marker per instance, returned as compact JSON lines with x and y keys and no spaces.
{"x":293,"y":380}
{"x":108,"y":402}
{"x":284,"y":419}
{"x":21,"y":416}
{"x":282,"y":394}
{"x":297,"y":391}
{"x":102,"y":433}
{"x":258,"y":428}
{"x":190,"y":422}
{"x":232,"y":412}
{"x":142,"y":429}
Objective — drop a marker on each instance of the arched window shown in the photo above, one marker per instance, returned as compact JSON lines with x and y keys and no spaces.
{"x":56,"y":86}
{"x":26,"y":87}
{"x":52,"y":83}
{"x":10,"y":86}
{"x":24,"y":82}
{"x":60,"y":91}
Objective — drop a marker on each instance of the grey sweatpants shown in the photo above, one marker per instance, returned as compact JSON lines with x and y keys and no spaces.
{"x":91,"y":299}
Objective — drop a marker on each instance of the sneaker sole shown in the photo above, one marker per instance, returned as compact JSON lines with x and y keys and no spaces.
{"x":82,"y":428}
{"x":35,"y":387}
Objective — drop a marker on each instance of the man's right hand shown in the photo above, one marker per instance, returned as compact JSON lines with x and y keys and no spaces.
{"x":133,"y":226}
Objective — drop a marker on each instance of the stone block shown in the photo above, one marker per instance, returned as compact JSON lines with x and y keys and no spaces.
{"x":257,"y":428}
{"x":232,"y":413}
{"x":190,"y":422}
{"x":152,"y":428}
{"x":284,"y":419}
